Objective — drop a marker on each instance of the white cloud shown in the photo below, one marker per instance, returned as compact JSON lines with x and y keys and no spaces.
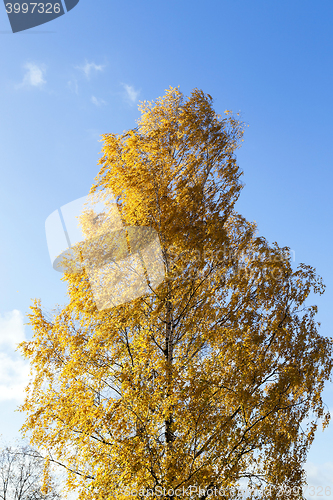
{"x":88,"y":68}
{"x":34,"y":76}
{"x":14,"y":369}
{"x":11,"y":329}
{"x":319,"y":475}
{"x":72,"y":84}
{"x":97,"y":101}
{"x":131,"y":93}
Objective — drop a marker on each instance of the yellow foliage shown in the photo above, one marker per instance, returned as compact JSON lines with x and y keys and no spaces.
{"x":207,"y":378}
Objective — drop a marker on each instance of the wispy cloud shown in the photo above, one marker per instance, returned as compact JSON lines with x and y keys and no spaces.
{"x":34,"y":76}
{"x":89,"y":68}
{"x":73,"y":85}
{"x":11,"y":329}
{"x":14,"y":370}
{"x":97,"y":101}
{"x":319,"y":474}
{"x":131,"y":93}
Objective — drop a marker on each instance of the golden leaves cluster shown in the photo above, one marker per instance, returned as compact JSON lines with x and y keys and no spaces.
{"x":208,"y":378}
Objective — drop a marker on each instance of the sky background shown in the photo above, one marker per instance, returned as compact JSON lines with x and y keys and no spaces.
{"x":67,"y":82}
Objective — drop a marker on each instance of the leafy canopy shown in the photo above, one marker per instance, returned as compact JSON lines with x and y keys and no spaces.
{"x":213,"y":376}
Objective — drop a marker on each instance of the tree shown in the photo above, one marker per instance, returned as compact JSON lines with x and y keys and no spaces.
{"x":21,"y":475}
{"x":214,"y":375}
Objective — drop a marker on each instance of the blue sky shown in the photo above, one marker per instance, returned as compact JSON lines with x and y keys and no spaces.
{"x":66,"y":82}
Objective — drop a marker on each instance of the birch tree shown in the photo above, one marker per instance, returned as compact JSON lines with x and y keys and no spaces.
{"x":209,"y":378}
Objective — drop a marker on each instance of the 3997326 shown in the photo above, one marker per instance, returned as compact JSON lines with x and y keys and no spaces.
{"x":33,"y":8}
